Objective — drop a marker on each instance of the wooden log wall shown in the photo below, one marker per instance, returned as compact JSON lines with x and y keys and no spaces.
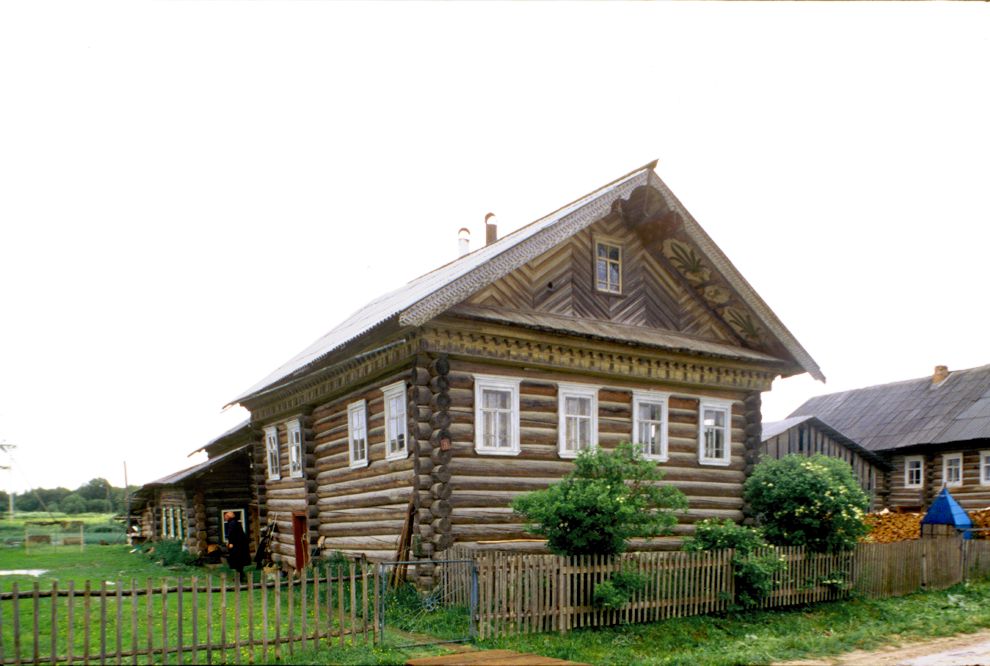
{"x":179,"y":498}
{"x":226,"y":486}
{"x":807,"y":440}
{"x":970,"y":495}
{"x":363,"y":510}
{"x":288,"y":495}
{"x":483,"y":486}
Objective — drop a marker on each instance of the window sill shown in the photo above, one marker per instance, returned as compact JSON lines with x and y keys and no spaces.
{"x":714,"y":462}
{"x":399,"y":455}
{"x":357,"y":464}
{"x":659,"y":459}
{"x":497,"y":452}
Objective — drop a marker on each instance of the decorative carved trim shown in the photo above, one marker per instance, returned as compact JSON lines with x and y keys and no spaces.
{"x":560,"y":355}
{"x":451,"y":294}
{"x":339,"y":378}
{"x":722,"y":264}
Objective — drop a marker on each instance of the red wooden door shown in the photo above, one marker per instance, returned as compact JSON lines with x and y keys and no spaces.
{"x":299,"y":537}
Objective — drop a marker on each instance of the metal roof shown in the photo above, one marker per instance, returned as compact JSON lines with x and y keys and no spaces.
{"x":191,"y":472}
{"x":909,"y":413}
{"x":775,"y":428}
{"x":438,"y":291}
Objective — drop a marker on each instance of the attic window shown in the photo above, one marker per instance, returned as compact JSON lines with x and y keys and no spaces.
{"x":608,"y":266}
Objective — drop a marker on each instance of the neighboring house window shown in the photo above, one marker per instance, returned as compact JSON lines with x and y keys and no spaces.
{"x":914,"y":468}
{"x":952,"y":469}
{"x":650,"y":424}
{"x":608,"y":266}
{"x":357,"y":433}
{"x":395,"y":421}
{"x":714,"y":440}
{"x":294,"y":431}
{"x":985,"y":468}
{"x":577,"y":427}
{"x":271,"y":449}
{"x":496,"y":415}
{"x":172,"y":519}
{"x":239,"y":514}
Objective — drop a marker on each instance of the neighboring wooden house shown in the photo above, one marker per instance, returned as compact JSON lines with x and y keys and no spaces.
{"x":415,"y":422}
{"x":933,"y":431}
{"x":807,"y":435}
{"x":189,"y":505}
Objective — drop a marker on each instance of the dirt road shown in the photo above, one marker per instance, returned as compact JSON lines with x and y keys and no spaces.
{"x":961,"y":650}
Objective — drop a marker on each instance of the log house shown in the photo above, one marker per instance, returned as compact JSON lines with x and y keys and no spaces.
{"x":933,"y":432}
{"x":412,"y":425}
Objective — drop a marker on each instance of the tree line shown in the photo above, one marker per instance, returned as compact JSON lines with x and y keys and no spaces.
{"x":94,"y":496}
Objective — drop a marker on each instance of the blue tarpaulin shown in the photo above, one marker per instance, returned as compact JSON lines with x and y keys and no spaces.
{"x":945,"y":510}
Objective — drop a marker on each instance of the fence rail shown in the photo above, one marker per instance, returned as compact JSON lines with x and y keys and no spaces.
{"x":524,"y":593}
{"x":214,"y":620}
{"x":189,"y":621}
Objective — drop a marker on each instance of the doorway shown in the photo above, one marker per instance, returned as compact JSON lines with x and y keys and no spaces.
{"x":300,"y":538}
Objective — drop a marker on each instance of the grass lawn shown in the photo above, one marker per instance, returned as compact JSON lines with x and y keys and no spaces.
{"x":93,"y":563}
{"x":768,"y":636}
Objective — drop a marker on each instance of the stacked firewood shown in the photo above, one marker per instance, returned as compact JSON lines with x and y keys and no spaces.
{"x":888,"y":527}
{"x":981,"y":518}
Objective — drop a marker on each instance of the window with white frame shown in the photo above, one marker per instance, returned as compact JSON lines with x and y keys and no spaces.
{"x":952,"y":469}
{"x":357,"y":433}
{"x":395,"y":421}
{"x":173,"y":518}
{"x":577,"y":426}
{"x":239,"y":515}
{"x":714,"y":432}
{"x":496,"y":415}
{"x":271,"y":451}
{"x":985,"y":468}
{"x":914,"y":469}
{"x":650,"y":424}
{"x":608,"y":266}
{"x":294,"y":432}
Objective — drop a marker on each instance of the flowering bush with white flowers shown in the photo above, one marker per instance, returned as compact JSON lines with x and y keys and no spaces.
{"x":814,"y":502}
{"x":609,"y":498}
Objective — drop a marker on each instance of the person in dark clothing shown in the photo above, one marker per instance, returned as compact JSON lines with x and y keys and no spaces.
{"x":238,"y":556}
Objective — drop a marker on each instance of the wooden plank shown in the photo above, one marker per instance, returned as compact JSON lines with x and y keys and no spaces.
{"x":164,"y":622}
{"x":364,"y":598}
{"x":134,"y":622}
{"x":36,"y":611}
{"x":264,"y":616}
{"x":194,"y":600}
{"x":209,"y":619}
{"x":353,"y":591}
{"x":316,"y":607}
{"x":103,"y":623}
{"x":178,"y":621}
{"x":340,"y":607}
{"x":53,"y":648}
{"x":16,"y":612}
{"x":120,"y":621}
{"x":87,"y":620}
{"x":237,"y":619}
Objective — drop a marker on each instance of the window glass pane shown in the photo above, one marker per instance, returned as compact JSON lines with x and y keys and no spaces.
{"x":602,"y":250}
{"x":613,"y":253}
{"x":602,"y":272}
{"x":613,"y":275}
{"x":503,"y":430}
{"x":496,"y":399}
{"x":577,"y":406}
{"x":650,"y":411}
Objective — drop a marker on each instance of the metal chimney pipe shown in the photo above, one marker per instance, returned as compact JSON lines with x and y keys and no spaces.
{"x":491,"y":229}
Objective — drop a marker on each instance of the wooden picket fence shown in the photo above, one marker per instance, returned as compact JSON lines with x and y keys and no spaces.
{"x":528,"y":593}
{"x":190,"y":620}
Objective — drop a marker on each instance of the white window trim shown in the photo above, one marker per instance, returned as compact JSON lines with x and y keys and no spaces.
{"x":720,"y":405}
{"x":223,"y":523}
{"x":294,"y":427}
{"x":389,"y":392}
{"x":271,"y":446}
{"x":907,"y":475}
{"x":597,"y":239}
{"x":984,"y":479}
{"x":652,"y":397}
{"x":568,"y":390}
{"x":359,"y":407}
{"x":498,"y":383}
{"x":946,"y":457}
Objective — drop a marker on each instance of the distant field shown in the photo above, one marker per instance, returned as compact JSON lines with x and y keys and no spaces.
{"x":94,"y":563}
{"x":97,"y":527}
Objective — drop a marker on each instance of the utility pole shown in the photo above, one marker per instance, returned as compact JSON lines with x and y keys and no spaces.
{"x":7,"y":448}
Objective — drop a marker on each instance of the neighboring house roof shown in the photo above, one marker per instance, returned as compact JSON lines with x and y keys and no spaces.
{"x":436,"y":292}
{"x":775,"y":428}
{"x":239,"y":431}
{"x":190,"y":473}
{"x":909,"y":413}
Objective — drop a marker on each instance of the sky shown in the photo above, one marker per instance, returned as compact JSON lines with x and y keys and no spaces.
{"x":192,"y":192}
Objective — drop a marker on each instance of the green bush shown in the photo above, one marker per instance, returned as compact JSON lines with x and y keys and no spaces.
{"x":72,"y":504}
{"x":618,"y":589}
{"x":170,"y":553}
{"x":609,"y":498}
{"x":752,"y":570}
{"x":814,"y":502}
